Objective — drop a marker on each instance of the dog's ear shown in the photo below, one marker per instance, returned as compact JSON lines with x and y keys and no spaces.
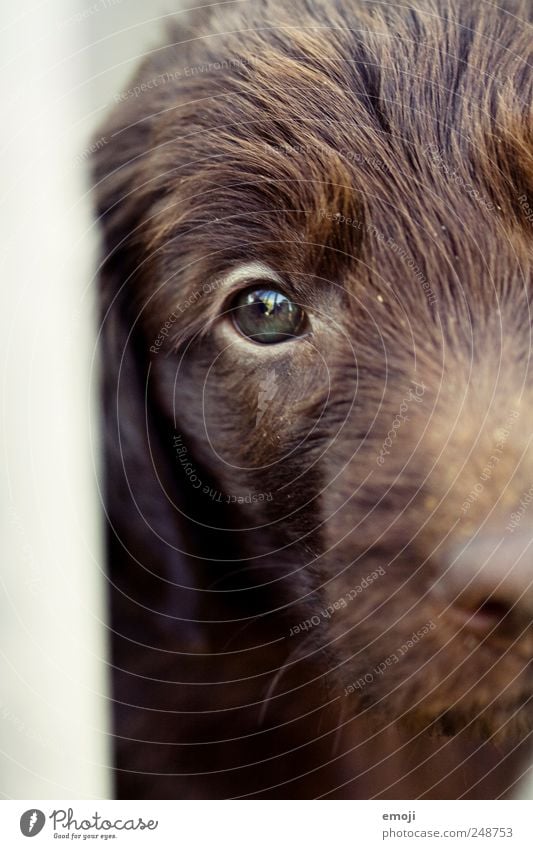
{"x":123,"y":189}
{"x":149,"y":563}
{"x":129,"y":143}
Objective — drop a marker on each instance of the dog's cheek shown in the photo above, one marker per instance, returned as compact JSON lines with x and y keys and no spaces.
{"x":246,"y":413}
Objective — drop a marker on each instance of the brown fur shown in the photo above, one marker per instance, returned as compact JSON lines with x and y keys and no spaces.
{"x":377,"y":158}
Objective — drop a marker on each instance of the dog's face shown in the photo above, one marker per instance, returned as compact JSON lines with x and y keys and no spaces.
{"x":330,"y":226}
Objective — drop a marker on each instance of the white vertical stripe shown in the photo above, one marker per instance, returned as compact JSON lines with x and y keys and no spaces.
{"x":53,"y":700}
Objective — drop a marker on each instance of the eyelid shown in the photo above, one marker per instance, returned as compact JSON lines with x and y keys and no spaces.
{"x":227,"y":286}
{"x":250,"y":272}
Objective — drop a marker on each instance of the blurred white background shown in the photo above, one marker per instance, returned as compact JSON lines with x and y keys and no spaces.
{"x":62,"y":62}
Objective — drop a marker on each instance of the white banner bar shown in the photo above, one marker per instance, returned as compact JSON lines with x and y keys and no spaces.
{"x":263,"y":825}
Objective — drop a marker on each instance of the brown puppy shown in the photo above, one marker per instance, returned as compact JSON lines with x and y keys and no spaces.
{"x":316,"y":351}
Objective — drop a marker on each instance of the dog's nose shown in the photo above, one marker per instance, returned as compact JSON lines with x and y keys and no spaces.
{"x":490,"y":580}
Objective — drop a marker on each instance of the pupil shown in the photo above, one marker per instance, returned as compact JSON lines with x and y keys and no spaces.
{"x":268,"y":316}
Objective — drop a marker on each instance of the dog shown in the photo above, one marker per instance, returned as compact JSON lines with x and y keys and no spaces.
{"x":315,"y":340}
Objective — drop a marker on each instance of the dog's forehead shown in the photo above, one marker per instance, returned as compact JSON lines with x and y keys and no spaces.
{"x":355,"y":153}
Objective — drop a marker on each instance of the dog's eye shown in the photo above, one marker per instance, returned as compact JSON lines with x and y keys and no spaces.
{"x":266,"y":315}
